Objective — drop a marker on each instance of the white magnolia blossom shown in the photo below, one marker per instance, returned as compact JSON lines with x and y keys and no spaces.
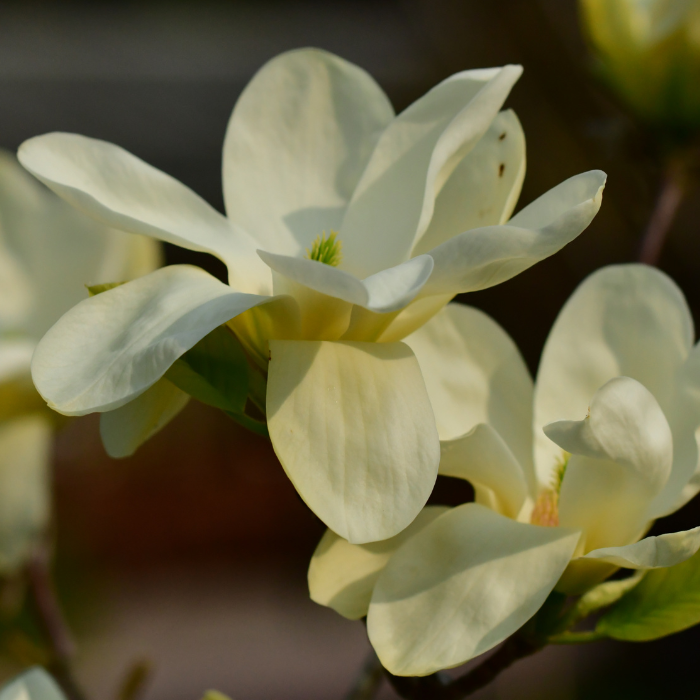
{"x":346,"y":225}
{"x":48,"y":252}
{"x":34,"y":684}
{"x":561,"y":508}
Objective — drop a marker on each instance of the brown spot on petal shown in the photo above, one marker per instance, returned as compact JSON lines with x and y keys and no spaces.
{"x":501,"y":168}
{"x":502,"y":136}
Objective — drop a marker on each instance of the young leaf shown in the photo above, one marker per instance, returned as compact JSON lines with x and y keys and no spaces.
{"x":214,"y":371}
{"x":664,"y":602}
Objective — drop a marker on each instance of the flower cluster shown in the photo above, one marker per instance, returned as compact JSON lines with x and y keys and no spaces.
{"x":349,"y":230}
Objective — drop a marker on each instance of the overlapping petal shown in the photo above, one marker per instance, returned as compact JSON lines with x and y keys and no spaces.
{"x":475,"y":374}
{"x":484,"y":188}
{"x":652,"y":552}
{"x":461,"y":586}
{"x":129,"y":336}
{"x":395,"y":197}
{"x":353,"y":428}
{"x":622,"y":454}
{"x":628,"y":320}
{"x":342,"y":575}
{"x":34,"y":684}
{"x":127,"y":427}
{"x":297,"y":143}
{"x":383,"y":292}
{"x":483,"y":459}
{"x":483,"y":257}
{"x":120,"y":190}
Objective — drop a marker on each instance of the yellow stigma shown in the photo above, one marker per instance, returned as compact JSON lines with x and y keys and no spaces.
{"x":546,"y":510}
{"x":326,"y":249}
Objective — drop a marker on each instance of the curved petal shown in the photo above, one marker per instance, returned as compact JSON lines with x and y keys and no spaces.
{"x":353,"y":428}
{"x":475,"y":374}
{"x":112,"y":347}
{"x":484,"y":460}
{"x":485,"y":257}
{"x":651,"y":552}
{"x":384,"y":292}
{"x":461,"y":586}
{"x":394,"y":200}
{"x":24,"y":488}
{"x":121,"y":191}
{"x":342,"y":575}
{"x":297,"y":142}
{"x":59,"y":249}
{"x":34,"y":684}
{"x":128,"y":427}
{"x":621,"y":458}
{"x":629,"y":320}
{"x":484,"y":188}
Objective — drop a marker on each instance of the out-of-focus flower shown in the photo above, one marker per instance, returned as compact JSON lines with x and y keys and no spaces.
{"x":34,"y":684}
{"x":346,"y":225}
{"x":461,"y":580}
{"x":649,"y":53}
{"x":48,"y":252}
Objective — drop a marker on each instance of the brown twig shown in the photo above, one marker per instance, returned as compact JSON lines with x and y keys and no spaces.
{"x":53,"y":623}
{"x":368,"y":682}
{"x":673,"y":189}
{"x":435,"y":688}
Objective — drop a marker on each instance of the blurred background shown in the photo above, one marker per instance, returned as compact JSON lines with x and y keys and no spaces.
{"x":192,"y":554}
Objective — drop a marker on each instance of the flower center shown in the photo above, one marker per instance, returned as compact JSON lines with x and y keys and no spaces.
{"x":546,"y":510}
{"x":326,"y":249}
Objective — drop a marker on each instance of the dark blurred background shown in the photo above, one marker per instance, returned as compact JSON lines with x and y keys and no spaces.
{"x":193,"y":553}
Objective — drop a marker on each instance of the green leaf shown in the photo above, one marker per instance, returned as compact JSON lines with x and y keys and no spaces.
{"x":214,"y":371}
{"x":95,"y":289}
{"x":664,"y":602}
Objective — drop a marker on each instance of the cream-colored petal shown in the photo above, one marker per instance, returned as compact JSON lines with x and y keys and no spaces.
{"x":484,"y":257}
{"x":128,"y":427}
{"x":353,"y":428}
{"x":25,"y":478}
{"x":621,"y":459}
{"x":623,"y":320}
{"x":652,"y":552}
{"x":384,"y":292}
{"x":485,"y":461}
{"x":395,"y":198}
{"x":121,"y":191}
{"x":297,"y":142}
{"x":34,"y":684}
{"x":112,"y":347}
{"x":342,"y":575}
{"x":484,"y":188}
{"x":59,"y":249}
{"x":475,"y":374}
{"x":461,"y":586}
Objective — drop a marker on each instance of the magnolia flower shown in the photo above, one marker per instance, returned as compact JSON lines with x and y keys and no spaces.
{"x":565,"y":507}
{"x":348,"y":227}
{"x":48,"y":251}
{"x":649,"y":52}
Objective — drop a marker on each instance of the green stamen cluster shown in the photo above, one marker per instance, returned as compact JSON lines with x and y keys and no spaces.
{"x":326,"y":249}
{"x":559,"y":472}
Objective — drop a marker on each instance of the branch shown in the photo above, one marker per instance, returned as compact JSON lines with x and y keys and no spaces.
{"x":673,"y":189}
{"x":53,"y":623}
{"x":368,"y":682}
